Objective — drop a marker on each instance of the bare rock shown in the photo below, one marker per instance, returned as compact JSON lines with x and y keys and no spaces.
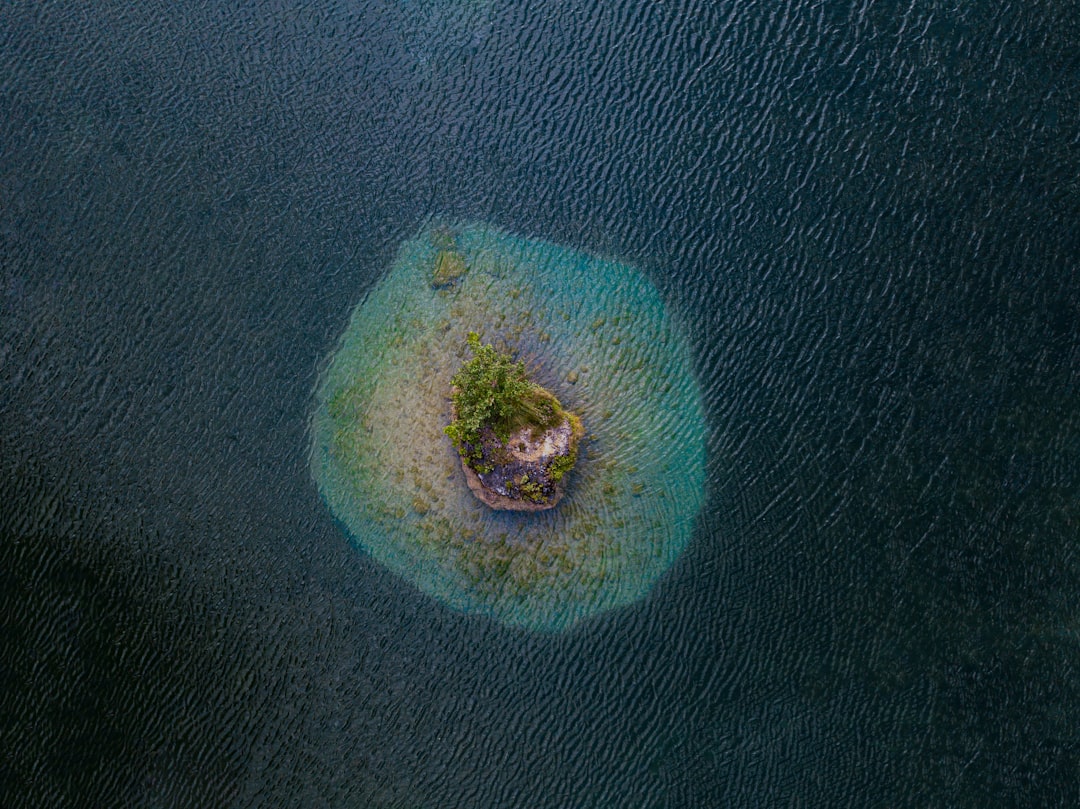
{"x":527,"y":472}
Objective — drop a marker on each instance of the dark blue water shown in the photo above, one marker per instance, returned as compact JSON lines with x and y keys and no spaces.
{"x":867,"y":216}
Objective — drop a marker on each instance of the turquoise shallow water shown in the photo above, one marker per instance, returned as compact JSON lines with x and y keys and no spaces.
{"x":393,"y":479}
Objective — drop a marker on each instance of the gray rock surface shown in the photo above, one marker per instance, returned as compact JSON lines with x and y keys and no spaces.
{"x":521,"y":477}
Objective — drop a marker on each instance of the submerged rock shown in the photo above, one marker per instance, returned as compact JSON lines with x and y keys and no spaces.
{"x":449,"y":264}
{"x":449,"y":267}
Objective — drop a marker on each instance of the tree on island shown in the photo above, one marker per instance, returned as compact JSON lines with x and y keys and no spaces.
{"x":501,"y":420}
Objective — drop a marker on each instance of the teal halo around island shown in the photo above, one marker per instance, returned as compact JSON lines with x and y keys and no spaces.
{"x":592,"y":331}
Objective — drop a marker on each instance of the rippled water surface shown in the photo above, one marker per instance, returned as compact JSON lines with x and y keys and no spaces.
{"x":865,"y":216}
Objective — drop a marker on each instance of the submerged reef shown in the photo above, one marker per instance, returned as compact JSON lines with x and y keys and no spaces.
{"x":593,"y":333}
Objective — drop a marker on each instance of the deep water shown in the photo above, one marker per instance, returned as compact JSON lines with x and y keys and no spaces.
{"x":866,"y":215}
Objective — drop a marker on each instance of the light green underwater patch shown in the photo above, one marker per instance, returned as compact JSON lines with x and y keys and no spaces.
{"x":595,"y":333}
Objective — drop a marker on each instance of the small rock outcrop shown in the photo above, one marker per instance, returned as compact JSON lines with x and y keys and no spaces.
{"x":516,"y":441}
{"x":527,"y":472}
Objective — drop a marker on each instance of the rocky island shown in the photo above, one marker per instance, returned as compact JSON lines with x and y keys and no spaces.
{"x":516,"y":441}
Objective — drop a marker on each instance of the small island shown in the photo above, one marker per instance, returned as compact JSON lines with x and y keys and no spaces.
{"x":596,"y":334}
{"x":516,"y":441}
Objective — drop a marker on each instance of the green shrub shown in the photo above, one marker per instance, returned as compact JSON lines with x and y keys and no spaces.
{"x":492,"y":389}
{"x":561,"y":465}
{"x":531,"y":489}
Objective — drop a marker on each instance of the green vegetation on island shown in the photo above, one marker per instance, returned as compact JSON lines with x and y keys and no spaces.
{"x":513,"y":433}
{"x":493,"y":389}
